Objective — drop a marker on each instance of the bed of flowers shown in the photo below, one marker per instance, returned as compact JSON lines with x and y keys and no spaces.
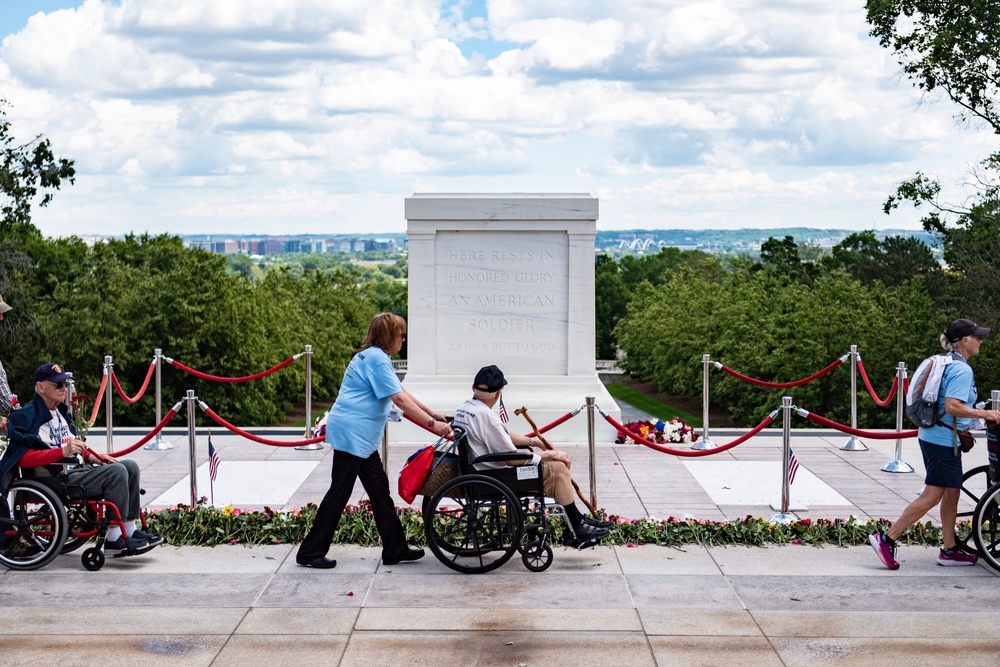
{"x":208,"y":526}
{"x":659,"y":432}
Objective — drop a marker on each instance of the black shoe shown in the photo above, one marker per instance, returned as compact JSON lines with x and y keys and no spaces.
{"x":322,"y":563}
{"x":597,"y":523}
{"x":150,"y":538}
{"x":587,"y":531}
{"x":580,"y":544}
{"x":127,"y":546}
{"x":409,"y":554}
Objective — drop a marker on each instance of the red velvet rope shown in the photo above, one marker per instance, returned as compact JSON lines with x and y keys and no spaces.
{"x":871,"y":392}
{"x":97,"y":402}
{"x":149,"y":436}
{"x":783,"y":385}
{"x":853,"y":431}
{"x":250,"y":436}
{"x":691,"y":452}
{"x":142,"y":390}
{"x":217,"y":378}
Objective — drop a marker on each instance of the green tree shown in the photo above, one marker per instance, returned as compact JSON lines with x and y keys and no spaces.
{"x":26,"y":169}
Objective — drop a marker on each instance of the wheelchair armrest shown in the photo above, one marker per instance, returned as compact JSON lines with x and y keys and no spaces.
{"x":504,"y":456}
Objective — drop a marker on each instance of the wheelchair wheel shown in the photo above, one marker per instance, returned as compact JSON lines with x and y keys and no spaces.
{"x":975,"y":482}
{"x":93,"y":559}
{"x":473,"y":524}
{"x":82,"y":519}
{"x":536,"y":556}
{"x":33,"y":525}
{"x":986,"y":527}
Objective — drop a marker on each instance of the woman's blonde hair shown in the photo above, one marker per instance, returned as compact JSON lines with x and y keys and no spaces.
{"x":382,"y":331}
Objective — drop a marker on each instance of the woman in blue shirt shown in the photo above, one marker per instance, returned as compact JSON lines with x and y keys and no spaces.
{"x":354,"y":430}
{"x":942,"y":460}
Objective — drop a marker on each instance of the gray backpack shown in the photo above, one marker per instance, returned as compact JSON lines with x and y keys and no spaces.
{"x":922,"y":412}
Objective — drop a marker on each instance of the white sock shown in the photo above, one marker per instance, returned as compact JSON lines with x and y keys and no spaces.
{"x":129,"y":528}
{"x":114,"y":532}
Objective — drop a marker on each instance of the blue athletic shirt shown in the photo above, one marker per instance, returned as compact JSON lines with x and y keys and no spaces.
{"x":958,"y":382}
{"x":358,"y":416}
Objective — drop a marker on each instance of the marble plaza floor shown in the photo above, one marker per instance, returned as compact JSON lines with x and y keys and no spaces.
{"x":792,"y":605}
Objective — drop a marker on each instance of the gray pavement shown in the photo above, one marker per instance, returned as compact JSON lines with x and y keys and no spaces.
{"x":791,"y":605}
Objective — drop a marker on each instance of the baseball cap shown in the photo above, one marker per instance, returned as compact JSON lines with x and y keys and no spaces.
{"x":50,"y":373}
{"x":959,"y":329}
{"x":489,"y":378}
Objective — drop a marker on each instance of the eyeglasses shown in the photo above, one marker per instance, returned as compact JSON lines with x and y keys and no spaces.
{"x":58,"y":385}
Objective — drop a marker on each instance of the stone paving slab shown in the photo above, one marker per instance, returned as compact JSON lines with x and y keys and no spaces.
{"x":647,"y":605}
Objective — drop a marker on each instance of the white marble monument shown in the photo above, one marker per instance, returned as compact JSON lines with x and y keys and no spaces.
{"x":505,"y":279}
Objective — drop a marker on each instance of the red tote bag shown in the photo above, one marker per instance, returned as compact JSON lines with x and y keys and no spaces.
{"x":413,"y":474}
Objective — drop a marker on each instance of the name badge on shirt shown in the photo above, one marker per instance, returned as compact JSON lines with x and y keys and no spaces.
{"x":527,"y":472}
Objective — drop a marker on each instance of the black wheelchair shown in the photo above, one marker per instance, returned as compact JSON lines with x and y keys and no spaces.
{"x":985,"y":531}
{"x":476,"y":521}
{"x":42,"y":517}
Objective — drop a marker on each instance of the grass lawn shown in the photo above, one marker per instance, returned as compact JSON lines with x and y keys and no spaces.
{"x":651,"y":405}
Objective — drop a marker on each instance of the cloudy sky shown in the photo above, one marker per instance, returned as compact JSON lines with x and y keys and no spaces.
{"x":321,"y":116}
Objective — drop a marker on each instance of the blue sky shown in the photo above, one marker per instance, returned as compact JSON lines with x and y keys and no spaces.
{"x":311,"y":116}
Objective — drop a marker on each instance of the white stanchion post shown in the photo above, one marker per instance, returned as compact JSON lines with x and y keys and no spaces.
{"x":784,"y":515}
{"x":308,"y":432}
{"x":705,"y":442}
{"x":192,"y":442}
{"x":109,"y":392}
{"x":995,"y":399}
{"x":854,"y":444}
{"x":898,"y":464}
{"x":591,"y":443}
{"x":70,"y":393}
{"x":158,"y":442}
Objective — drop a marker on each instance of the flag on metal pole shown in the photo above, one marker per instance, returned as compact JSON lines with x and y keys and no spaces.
{"x":793,"y":466}
{"x":503,"y":412}
{"x":213,"y":465}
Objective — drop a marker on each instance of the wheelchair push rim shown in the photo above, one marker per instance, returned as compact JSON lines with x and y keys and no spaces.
{"x":986,"y":527}
{"x":473,"y":524}
{"x":33,"y":526}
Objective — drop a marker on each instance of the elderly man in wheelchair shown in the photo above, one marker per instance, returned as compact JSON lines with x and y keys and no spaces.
{"x":497,"y":505}
{"x":46,"y":466}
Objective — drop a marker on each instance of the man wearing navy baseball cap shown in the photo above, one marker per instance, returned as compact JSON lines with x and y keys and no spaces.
{"x":43,"y":433}
{"x":486,"y":434}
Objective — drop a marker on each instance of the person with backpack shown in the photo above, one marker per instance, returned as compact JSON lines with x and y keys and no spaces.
{"x":942,"y":458}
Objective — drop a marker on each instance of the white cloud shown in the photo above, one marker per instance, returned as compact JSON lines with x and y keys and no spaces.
{"x":674,"y":111}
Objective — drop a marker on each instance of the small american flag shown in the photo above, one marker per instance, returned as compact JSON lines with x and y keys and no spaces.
{"x":503,"y":412}
{"x":793,"y":466}
{"x":213,"y":460}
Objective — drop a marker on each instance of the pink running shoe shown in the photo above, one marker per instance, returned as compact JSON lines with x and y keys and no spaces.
{"x":885,"y":551}
{"x":956,"y":557}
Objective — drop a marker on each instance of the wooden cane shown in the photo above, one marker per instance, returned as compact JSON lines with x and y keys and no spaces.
{"x":523,"y":411}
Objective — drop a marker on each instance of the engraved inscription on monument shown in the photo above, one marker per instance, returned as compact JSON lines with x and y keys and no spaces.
{"x":501,"y":298}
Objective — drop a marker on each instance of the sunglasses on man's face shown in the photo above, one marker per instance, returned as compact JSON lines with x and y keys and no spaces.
{"x":58,"y":385}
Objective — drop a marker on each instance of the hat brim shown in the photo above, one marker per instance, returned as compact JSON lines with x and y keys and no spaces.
{"x":981,"y":331}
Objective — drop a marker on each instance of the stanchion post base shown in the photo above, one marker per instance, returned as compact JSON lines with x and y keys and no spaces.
{"x":310,"y":447}
{"x":854,"y":445}
{"x":897,"y":466}
{"x":783,"y":517}
{"x":158,"y":445}
{"x":703,"y":443}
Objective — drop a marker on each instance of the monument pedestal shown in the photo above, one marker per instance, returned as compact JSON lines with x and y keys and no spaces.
{"x":505,"y":279}
{"x":546,"y":399}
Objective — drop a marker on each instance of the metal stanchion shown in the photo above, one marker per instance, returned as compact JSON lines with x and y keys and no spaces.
{"x":308,"y":433}
{"x":591,"y":441}
{"x":995,"y":399}
{"x":109,"y":368}
{"x":854,"y":443}
{"x":70,"y":392}
{"x":705,"y":442}
{"x":784,"y":515}
{"x":385,"y":447}
{"x":192,"y":442}
{"x":159,"y":442}
{"x":898,"y":464}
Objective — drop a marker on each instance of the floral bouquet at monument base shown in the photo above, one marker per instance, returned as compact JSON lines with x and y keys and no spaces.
{"x":659,"y":432}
